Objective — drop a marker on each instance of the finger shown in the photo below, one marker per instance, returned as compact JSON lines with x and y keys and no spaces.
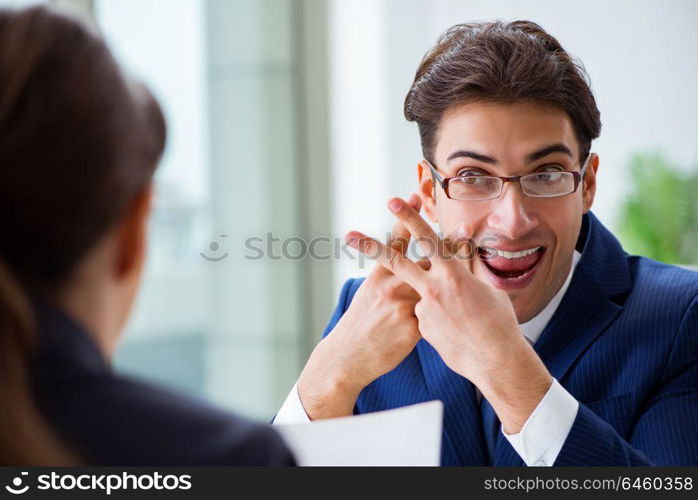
{"x":463,"y":247}
{"x":394,"y":261}
{"x":427,"y":239}
{"x":399,"y":236}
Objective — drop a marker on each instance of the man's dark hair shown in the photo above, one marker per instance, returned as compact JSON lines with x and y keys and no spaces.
{"x":500,"y":62}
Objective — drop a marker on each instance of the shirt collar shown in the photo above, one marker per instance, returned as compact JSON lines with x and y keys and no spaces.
{"x":535,"y":326}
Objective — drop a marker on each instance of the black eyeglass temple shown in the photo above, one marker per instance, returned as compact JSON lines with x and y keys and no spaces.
{"x":435,"y":173}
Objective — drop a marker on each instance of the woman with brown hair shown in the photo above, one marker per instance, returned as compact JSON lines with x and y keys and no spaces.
{"x":79,"y":143}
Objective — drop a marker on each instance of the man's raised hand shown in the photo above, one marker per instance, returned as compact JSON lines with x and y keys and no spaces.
{"x":377,"y":331}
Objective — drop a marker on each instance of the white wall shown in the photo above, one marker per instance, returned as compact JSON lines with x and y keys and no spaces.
{"x":225,"y":73}
{"x":640,"y":54}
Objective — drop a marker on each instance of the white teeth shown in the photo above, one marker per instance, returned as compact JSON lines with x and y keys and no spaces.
{"x":516,"y":255}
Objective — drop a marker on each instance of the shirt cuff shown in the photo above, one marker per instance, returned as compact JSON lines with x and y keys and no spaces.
{"x":541,"y":438}
{"x":292,"y":411}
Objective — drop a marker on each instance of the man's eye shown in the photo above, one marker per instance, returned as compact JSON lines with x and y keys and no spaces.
{"x":551,"y":168}
{"x":469,"y":173}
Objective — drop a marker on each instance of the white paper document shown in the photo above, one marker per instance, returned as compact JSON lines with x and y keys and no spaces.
{"x":405,"y":436}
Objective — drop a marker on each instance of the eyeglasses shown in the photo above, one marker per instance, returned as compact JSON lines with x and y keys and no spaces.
{"x":487,"y":187}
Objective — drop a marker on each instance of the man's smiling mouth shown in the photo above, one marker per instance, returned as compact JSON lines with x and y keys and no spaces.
{"x":511,"y":268}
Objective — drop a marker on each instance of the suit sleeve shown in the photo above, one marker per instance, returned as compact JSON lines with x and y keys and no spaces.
{"x":292,"y":412}
{"x":666,"y":433}
{"x":345,"y":297}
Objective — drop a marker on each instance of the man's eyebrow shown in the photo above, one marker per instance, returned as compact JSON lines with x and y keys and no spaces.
{"x":461,"y":153}
{"x":558,"y":147}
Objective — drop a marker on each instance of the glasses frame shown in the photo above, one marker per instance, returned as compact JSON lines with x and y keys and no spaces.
{"x":443,"y":182}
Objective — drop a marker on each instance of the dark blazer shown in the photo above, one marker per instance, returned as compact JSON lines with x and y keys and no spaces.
{"x":624,"y":342}
{"x":115,"y":420}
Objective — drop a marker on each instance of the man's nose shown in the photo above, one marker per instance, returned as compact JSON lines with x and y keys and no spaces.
{"x":510,"y":214}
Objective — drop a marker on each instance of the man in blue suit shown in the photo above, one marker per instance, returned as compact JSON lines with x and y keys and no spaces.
{"x":547,"y":343}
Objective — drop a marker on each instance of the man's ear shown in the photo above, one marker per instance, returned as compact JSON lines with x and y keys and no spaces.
{"x":426,"y":191}
{"x":589,"y":182}
{"x":133,"y":234}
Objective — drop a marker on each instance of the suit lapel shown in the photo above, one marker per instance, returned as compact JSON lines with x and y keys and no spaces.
{"x":463,"y":442}
{"x":583,"y":315}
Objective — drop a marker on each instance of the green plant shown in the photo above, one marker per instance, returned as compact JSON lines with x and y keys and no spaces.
{"x":659,"y":218}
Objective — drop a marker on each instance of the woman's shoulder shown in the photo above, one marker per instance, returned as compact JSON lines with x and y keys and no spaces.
{"x":116,"y":420}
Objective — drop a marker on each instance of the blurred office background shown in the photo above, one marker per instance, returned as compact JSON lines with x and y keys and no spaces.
{"x":285,"y":118}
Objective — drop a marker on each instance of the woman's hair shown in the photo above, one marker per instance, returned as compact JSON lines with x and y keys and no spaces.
{"x":502,"y":63}
{"x":79,"y":141}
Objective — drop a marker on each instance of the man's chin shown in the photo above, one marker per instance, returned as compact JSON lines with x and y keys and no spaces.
{"x":525,"y":311}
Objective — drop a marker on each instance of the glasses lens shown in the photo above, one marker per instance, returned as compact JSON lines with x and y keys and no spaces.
{"x":548,"y":184}
{"x":480,"y":187}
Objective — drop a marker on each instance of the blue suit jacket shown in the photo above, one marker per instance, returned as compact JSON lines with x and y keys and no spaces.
{"x":624,"y":342}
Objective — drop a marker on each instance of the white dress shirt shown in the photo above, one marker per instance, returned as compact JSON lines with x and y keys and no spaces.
{"x":544,"y":433}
